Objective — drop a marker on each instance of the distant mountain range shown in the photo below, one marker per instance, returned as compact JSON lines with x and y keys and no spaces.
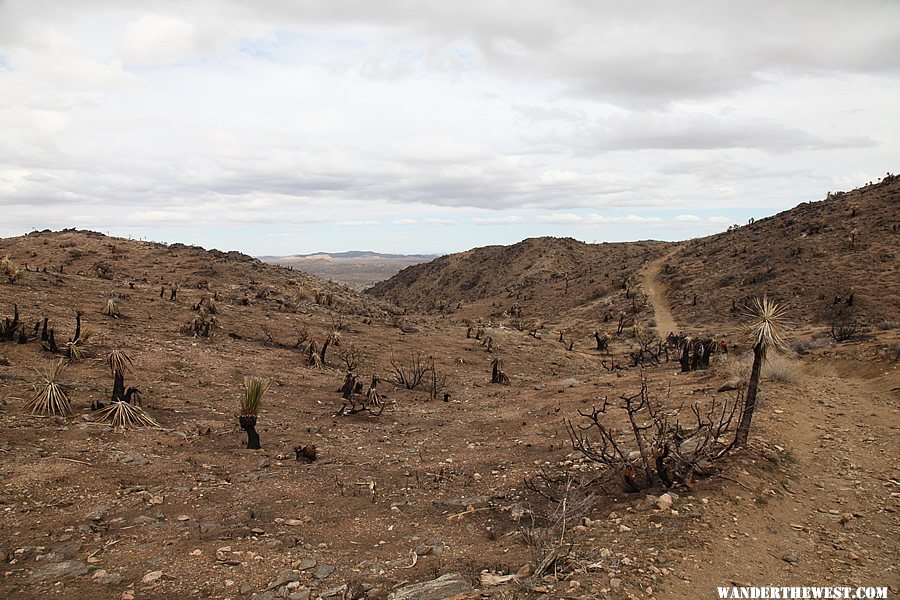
{"x":358,"y":269}
{"x":353,"y":254}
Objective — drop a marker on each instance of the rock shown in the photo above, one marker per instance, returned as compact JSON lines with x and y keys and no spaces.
{"x":790,"y":557}
{"x":615,"y":583}
{"x":324,"y":571}
{"x":287,"y":576}
{"x":445,"y":587}
{"x":106,"y":578}
{"x":263,"y":463}
{"x":246,"y":588}
{"x":59,"y":570}
{"x":306,"y":564}
{"x":570,"y":382}
{"x":98,"y":514}
{"x":664,"y":502}
{"x":134,"y":460}
{"x":152,"y":576}
{"x":624,"y":528}
{"x":729,"y":386}
{"x":143,"y":520}
{"x":301,"y":594}
{"x":335,"y":592}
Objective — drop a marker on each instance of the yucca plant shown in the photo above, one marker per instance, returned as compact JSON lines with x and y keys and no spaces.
{"x":123,"y":414}
{"x":112,"y":308}
{"x":119,"y":363}
{"x":765,"y":329}
{"x":50,"y":398}
{"x":254,"y":388}
{"x":75,"y":348}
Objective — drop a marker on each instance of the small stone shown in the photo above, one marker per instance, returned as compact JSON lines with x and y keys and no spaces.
{"x":184,"y":518}
{"x":59,"y":570}
{"x":615,"y":583}
{"x":790,"y":557}
{"x":152,"y":576}
{"x":127,"y":595}
{"x":293,"y":522}
{"x":624,"y":528}
{"x":263,"y":463}
{"x":664,"y":502}
{"x":98,"y":514}
{"x":306,"y":564}
{"x":196,"y":552}
{"x":324,"y":571}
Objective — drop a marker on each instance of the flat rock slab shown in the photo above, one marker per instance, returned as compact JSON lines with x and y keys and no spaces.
{"x":451,"y":586}
{"x":59,"y":570}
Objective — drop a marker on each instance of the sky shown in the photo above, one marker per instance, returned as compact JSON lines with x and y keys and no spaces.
{"x":416,"y":126}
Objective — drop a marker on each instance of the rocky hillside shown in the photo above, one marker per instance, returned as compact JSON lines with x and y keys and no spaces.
{"x":834,"y":259}
{"x":540,"y":276}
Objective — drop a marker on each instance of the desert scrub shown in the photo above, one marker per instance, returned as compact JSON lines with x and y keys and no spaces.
{"x":10,"y":270}
{"x":783,"y":369}
{"x":254,"y":389}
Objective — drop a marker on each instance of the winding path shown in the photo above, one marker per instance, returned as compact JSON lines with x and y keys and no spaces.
{"x":656,"y":293}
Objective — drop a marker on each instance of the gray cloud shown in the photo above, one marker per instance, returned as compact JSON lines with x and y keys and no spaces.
{"x":199,"y":112}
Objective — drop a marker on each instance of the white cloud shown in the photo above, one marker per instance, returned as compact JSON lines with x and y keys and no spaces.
{"x":509,"y":220}
{"x":200,"y":114}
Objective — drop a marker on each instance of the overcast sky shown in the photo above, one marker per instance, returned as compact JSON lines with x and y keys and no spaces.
{"x":291,"y":126}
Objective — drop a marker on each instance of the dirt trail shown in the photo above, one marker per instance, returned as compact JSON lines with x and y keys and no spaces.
{"x":665,"y":322}
{"x":828,"y":516}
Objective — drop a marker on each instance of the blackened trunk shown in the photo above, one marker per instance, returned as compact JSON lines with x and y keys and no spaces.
{"x":743,"y":432}
{"x":118,"y":393}
{"x":51,"y":342}
{"x":44,"y":330}
{"x":77,"y":327}
{"x":23,"y":336}
{"x":248,"y":424}
{"x":685,"y":359}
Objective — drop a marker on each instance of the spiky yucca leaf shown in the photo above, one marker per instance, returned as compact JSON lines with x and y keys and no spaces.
{"x":123,"y":415}
{"x":254,"y":388}
{"x":50,"y":398}
{"x":766,"y":325}
{"x":119,"y":362}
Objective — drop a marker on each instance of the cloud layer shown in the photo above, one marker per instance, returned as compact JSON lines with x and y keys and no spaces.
{"x":172,"y":118}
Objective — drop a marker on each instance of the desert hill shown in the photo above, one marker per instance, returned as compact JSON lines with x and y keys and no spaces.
{"x":837,"y":255}
{"x":468,"y":487}
{"x":536,"y":279}
{"x":816,"y":258}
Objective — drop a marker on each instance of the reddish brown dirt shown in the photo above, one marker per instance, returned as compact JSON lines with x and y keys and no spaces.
{"x":378,"y":505}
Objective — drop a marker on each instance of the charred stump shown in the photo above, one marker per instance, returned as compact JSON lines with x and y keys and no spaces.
{"x":248,"y":424}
